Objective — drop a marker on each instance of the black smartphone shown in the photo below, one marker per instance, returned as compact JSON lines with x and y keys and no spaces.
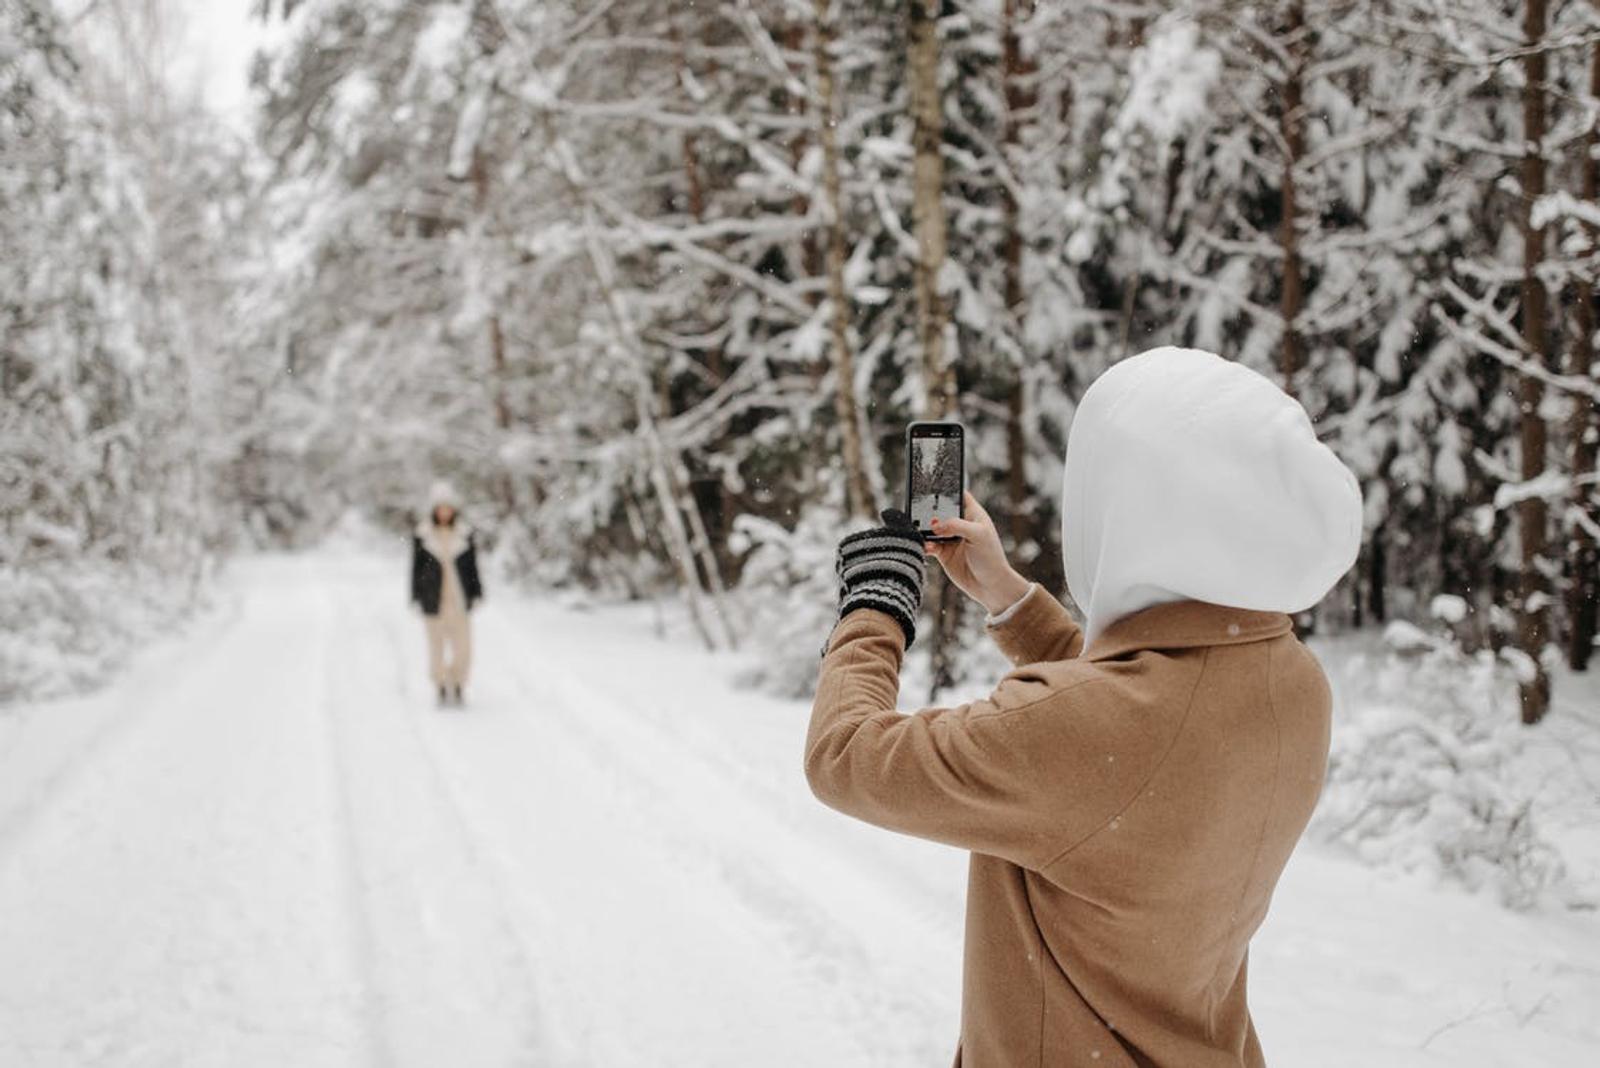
{"x":936,"y":474}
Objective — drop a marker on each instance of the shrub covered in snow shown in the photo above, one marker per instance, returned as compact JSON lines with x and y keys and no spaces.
{"x":790,"y":597}
{"x":65,"y":626}
{"x":1424,"y":773}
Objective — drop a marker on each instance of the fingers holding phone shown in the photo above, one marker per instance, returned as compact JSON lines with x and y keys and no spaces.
{"x":957,"y":531}
{"x":976,"y":561}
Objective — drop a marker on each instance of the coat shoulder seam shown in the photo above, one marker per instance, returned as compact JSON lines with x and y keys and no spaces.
{"x":1055,"y":692}
{"x":1172,"y":744}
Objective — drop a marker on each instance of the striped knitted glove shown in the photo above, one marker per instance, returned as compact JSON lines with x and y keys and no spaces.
{"x":884,"y":568}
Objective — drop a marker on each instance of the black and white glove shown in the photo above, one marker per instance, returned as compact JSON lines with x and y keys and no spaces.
{"x":884,"y":568}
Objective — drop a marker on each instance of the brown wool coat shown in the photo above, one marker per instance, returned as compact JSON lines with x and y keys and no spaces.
{"x":1129,"y":809}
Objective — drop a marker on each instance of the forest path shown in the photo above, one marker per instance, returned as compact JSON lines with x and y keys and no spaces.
{"x":264,"y":845}
{"x":267,"y":846}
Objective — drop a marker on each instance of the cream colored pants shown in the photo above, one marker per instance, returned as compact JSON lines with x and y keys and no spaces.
{"x":449,"y":646}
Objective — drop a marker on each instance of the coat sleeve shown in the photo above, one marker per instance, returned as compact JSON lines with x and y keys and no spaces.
{"x":467,"y":567}
{"x":1038,"y":629}
{"x":416,"y":569}
{"x":1012,"y":776}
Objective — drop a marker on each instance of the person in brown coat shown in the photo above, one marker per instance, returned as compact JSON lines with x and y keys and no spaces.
{"x":1131,"y":791}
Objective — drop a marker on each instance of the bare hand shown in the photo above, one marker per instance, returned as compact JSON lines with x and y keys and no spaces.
{"x":977,"y":563}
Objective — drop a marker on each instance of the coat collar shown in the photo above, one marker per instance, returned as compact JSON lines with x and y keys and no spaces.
{"x":428,"y":534}
{"x":1186,"y":625}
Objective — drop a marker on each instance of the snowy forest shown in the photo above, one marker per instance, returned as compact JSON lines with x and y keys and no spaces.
{"x":659,"y":284}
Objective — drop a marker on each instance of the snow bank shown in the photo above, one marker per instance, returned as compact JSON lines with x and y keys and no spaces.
{"x":1426,"y":773}
{"x":65,"y":627}
{"x":789,"y":597}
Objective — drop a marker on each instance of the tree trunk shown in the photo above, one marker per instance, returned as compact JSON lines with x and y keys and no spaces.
{"x":504,"y":487}
{"x":1532,"y":610}
{"x":927,"y":207}
{"x":701,"y":543}
{"x":502,"y":409}
{"x":858,"y":491}
{"x":1357,"y":610}
{"x":1378,"y":578}
{"x":1583,"y":430}
{"x":927,"y":212}
{"x":641,"y":536}
{"x":691,"y":160}
{"x":714,"y":556}
{"x":795,"y":106}
{"x":1292,"y":126}
{"x":1016,"y":75}
{"x":659,"y":466}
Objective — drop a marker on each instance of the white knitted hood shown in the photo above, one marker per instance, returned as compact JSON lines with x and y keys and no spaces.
{"x":1191,"y":477}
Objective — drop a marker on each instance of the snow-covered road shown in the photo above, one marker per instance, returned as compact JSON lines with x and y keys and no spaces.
{"x":265,"y":846}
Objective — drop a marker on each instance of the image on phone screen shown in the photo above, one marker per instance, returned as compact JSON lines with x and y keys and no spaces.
{"x":935,"y":479}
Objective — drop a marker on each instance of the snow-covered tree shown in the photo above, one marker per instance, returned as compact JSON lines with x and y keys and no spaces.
{"x":657,"y":281}
{"x":106,"y":493}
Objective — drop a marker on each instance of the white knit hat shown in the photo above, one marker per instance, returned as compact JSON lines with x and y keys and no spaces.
{"x":442,"y":495}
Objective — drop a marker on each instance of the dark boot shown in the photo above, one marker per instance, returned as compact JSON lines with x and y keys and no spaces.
{"x":458,"y":698}
{"x":444,"y":696}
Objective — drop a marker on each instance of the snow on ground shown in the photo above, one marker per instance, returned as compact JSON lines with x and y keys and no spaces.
{"x":265,"y":846}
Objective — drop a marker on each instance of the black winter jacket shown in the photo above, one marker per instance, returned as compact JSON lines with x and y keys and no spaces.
{"x":427,"y":572}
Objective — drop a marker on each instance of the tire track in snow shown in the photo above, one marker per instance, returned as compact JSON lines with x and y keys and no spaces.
{"x":542,"y":1033}
{"x":828,"y":949}
{"x":363,"y":938}
{"x":157,"y":884}
{"x":933,"y":902}
{"x":452,"y":978}
{"x":114,"y":726}
{"x":700,"y":756}
{"x":871,"y":1005}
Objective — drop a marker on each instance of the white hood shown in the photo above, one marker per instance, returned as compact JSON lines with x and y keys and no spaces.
{"x":1191,"y":477}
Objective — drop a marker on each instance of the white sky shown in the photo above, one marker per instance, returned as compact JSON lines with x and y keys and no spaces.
{"x":218,"y":41}
{"x":208,"y":45}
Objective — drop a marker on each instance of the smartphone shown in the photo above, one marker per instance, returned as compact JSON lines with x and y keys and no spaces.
{"x":936,"y":474}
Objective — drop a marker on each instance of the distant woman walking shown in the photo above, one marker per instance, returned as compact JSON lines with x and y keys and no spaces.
{"x":444,"y":584}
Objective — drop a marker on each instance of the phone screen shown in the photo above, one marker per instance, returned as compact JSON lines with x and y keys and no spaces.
{"x":936,"y":472}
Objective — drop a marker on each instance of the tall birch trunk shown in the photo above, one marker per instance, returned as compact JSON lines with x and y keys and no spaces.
{"x":1583,"y":429}
{"x":496,"y":337}
{"x":706,"y":548}
{"x":1292,"y":128}
{"x":700,"y":541}
{"x":1015,"y":72}
{"x":927,"y":207}
{"x":858,"y":490}
{"x":927,"y":212}
{"x":708,"y":610}
{"x":795,"y":106}
{"x":658,"y":466}
{"x":1532,"y":611}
